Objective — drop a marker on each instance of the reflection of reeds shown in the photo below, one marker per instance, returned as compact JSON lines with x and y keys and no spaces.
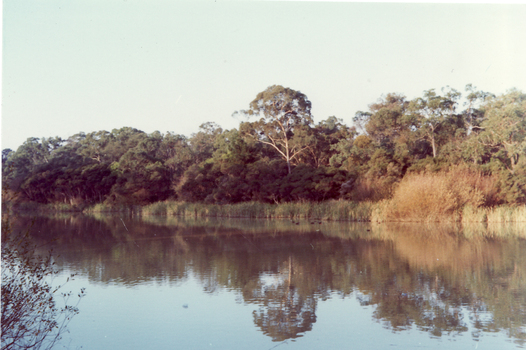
{"x":331,"y":210}
{"x":435,"y":247}
{"x":501,"y":229}
{"x":215,"y":225}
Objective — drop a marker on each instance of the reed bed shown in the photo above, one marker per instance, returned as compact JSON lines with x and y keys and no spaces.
{"x":335,"y":211}
{"x":109,"y":208}
{"x":505,"y":214}
{"x":499,"y":214}
{"x":437,"y":197}
{"x":45,"y":208}
{"x":434,"y":199}
{"x":471,"y":214}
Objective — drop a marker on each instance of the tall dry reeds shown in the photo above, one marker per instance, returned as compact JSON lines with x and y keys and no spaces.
{"x":372,"y":189}
{"x":433,"y":197}
{"x":506,"y":214}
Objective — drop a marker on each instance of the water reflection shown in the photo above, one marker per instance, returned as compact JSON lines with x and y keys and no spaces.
{"x":440,"y":280}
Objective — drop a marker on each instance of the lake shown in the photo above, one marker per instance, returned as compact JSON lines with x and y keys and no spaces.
{"x":175,"y":283}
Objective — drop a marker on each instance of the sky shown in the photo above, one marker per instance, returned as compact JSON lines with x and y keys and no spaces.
{"x":71,"y":66}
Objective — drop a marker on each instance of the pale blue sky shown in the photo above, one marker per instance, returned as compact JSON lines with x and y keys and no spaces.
{"x":89,"y":65}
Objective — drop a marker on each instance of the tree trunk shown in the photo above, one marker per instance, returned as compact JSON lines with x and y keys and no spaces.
{"x":287,"y":154}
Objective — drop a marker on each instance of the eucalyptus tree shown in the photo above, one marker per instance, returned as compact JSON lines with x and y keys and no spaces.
{"x":6,"y":154}
{"x":176,"y":154}
{"x":283,"y":114}
{"x":473,"y":115}
{"x":202,"y":142}
{"x":31,"y":155}
{"x":436,"y":116}
{"x":142,"y":176}
{"x":504,"y":127}
{"x":121,"y":140}
{"x":93,"y":146}
{"x":388,"y":119}
{"x":392,"y":127}
{"x":325,"y":140}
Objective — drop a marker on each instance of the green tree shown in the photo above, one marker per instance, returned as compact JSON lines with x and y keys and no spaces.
{"x":326,"y":140}
{"x":6,"y":153}
{"x":120,"y":141}
{"x":391,"y":126}
{"x":436,"y":116}
{"x":202,"y":143}
{"x":504,"y":127}
{"x":176,"y":154}
{"x":32,"y":154}
{"x":306,"y":183}
{"x":142,"y":177}
{"x":284,"y":112}
{"x":93,"y":146}
{"x":388,"y":121}
{"x":473,"y":115}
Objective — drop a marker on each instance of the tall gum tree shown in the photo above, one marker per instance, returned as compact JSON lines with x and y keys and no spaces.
{"x":283,"y":113}
{"x":434,"y":113}
{"x":504,"y":126}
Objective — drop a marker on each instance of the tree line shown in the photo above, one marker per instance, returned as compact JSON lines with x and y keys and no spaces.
{"x":279,"y":154}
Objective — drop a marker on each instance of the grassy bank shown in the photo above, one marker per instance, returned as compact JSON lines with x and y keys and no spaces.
{"x":119,"y":208}
{"x":46,"y":208}
{"x":418,"y":208}
{"x":326,"y":211}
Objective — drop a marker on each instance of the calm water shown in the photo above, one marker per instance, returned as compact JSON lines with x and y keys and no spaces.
{"x":169,"y":283}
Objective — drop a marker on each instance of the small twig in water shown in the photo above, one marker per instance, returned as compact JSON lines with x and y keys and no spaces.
{"x":250,"y":241}
{"x":275,"y":346}
{"x":124,"y":225}
{"x":128,"y":231}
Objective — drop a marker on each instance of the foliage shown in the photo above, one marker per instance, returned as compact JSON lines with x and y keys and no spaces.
{"x":284,"y":124}
{"x":31,"y":317}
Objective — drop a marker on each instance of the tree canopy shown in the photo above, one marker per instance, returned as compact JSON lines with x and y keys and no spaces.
{"x":284,"y":123}
{"x":279,"y":154}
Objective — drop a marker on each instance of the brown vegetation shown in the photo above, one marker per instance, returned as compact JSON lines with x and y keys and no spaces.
{"x":433,"y":197}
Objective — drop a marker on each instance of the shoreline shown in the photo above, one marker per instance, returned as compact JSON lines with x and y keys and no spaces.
{"x":335,"y":210}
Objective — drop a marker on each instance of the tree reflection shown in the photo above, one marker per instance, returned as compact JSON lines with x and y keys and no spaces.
{"x":435,"y":280}
{"x":283,"y":313}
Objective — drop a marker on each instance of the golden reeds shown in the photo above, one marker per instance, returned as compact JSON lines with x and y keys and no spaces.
{"x":432,"y":197}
